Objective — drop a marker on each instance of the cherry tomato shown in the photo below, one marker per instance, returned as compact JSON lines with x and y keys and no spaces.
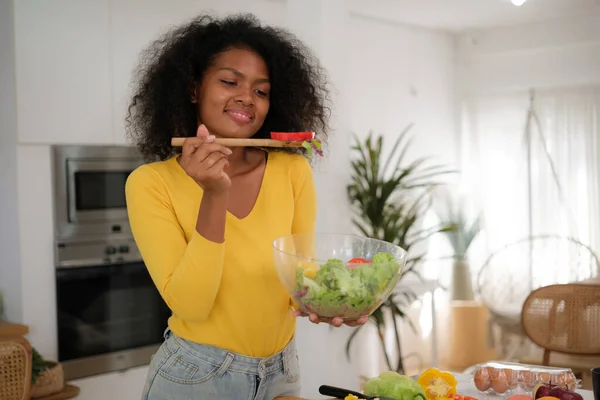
{"x":359,"y":260}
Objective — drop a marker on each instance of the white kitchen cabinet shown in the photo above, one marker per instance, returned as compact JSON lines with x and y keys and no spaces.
{"x":135,"y":24}
{"x":126,"y":385}
{"x":63,"y":71}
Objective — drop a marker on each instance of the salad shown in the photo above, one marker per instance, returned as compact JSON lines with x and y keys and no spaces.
{"x":349,"y":289}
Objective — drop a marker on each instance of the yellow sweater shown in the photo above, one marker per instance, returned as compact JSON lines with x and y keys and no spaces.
{"x":222,"y":294}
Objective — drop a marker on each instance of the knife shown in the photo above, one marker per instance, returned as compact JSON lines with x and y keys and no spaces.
{"x":340,"y":393}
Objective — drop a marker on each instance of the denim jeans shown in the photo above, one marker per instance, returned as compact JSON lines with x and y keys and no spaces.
{"x":181,"y":369}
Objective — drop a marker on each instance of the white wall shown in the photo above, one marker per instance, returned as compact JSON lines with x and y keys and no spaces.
{"x":402,"y":75}
{"x":10,"y":273}
{"x":385,"y":77}
{"x":559,"y":53}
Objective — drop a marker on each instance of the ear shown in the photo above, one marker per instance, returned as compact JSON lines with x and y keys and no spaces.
{"x":194,"y":97}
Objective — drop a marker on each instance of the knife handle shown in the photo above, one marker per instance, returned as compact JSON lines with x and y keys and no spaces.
{"x":337,"y":392}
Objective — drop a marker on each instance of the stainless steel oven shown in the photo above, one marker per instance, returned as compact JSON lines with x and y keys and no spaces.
{"x":110,"y":315}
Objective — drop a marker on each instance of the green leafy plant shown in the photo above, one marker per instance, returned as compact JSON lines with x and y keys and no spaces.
{"x":464,"y":231}
{"x":38,"y":365}
{"x":390,"y":197}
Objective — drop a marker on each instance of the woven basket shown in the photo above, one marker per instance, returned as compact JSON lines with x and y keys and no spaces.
{"x":50,"y":381}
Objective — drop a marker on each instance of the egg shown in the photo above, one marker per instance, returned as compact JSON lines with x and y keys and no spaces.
{"x":511,"y":377}
{"x":482,"y":379}
{"x":499,"y":385}
{"x":527,"y":378}
{"x":570,"y":380}
{"x":543,"y":377}
{"x":558,"y":379}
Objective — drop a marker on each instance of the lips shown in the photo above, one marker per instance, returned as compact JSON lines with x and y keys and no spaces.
{"x":240,"y":116}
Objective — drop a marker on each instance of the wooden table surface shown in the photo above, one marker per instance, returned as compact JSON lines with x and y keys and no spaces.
{"x":11,"y":329}
{"x":591,"y":281}
{"x":69,"y":392}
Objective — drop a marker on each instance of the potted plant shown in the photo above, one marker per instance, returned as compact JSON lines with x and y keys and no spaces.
{"x":47,"y":377}
{"x":390,"y":197}
{"x":460,"y":237}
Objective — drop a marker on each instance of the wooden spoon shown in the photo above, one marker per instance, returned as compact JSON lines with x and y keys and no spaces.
{"x":178,"y":142}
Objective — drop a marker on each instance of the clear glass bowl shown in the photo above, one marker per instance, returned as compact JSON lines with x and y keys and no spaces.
{"x":322,"y":275}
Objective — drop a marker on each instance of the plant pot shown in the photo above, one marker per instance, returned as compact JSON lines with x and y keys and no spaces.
{"x":50,"y":381}
{"x":461,"y":287}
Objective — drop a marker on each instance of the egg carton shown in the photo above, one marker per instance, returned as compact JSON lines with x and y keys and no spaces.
{"x":506,"y":378}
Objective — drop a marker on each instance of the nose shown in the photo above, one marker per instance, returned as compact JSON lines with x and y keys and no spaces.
{"x":244,"y":97}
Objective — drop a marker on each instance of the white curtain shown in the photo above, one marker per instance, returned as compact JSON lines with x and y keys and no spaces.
{"x":494,"y":174}
{"x":564,"y":129}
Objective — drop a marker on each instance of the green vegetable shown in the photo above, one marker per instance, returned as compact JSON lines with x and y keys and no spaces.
{"x":396,"y":386}
{"x":337,"y":289}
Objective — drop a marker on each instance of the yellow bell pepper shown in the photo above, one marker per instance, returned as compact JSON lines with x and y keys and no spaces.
{"x":437,"y":384}
{"x":310,"y":269}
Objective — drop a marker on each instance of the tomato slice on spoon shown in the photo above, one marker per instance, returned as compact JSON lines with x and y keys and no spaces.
{"x":292,"y":136}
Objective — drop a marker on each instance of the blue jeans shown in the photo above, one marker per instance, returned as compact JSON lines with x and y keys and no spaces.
{"x":181,"y":369}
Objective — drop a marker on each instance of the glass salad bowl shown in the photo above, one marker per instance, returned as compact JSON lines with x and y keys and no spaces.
{"x":335,"y":275}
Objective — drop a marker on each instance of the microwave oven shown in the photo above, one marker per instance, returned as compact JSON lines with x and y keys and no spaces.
{"x":89,"y":190}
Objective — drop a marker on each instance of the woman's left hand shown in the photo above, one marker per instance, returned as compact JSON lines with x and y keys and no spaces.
{"x":336,"y":321}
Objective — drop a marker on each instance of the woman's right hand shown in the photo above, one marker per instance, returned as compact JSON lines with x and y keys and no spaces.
{"x":205,"y":161}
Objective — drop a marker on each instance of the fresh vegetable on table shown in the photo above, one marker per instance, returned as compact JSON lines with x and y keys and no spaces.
{"x":392,"y":384}
{"x":460,"y":397}
{"x":520,"y":397}
{"x":437,"y":384}
{"x":351,"y":397}
{"x":546,"y":390}
{"x":351,"y":289}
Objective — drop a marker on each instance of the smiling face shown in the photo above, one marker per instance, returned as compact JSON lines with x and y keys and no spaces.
{"x":233,"y":97}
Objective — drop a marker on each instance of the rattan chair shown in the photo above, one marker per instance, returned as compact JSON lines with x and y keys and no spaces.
{"x":564,"y":319}
{"x":510,"y":274}
{"x":15,"y":368}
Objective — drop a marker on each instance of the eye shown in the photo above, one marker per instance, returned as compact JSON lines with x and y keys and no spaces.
{"x":228,"y":83}
{"x":261,"y":93}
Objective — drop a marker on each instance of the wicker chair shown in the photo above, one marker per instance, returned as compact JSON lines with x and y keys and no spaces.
{"x":564,"y":319}
{"x":15,"y":368}
{"x":505,"y":279}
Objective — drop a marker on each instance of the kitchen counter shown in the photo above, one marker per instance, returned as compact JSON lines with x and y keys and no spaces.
{"x":465,"y":387}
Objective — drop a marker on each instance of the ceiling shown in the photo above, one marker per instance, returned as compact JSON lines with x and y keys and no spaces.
{"x":462,"y":15}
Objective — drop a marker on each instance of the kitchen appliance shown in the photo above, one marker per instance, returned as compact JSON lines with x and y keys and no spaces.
{"x":110,"y":315}
{"x":89,"y":193}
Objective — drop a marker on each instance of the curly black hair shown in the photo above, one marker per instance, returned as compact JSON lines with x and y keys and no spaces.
{"x":172,"y":65}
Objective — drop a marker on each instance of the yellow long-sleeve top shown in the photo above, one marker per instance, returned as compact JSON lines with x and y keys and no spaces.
{"x":222,"y":294}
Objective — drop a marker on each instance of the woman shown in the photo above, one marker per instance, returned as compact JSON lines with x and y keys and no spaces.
{"x":205,"y":219}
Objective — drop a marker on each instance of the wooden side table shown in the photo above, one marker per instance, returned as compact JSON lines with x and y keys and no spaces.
{"x":468,"y":335}
{"x":12,"y":329}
